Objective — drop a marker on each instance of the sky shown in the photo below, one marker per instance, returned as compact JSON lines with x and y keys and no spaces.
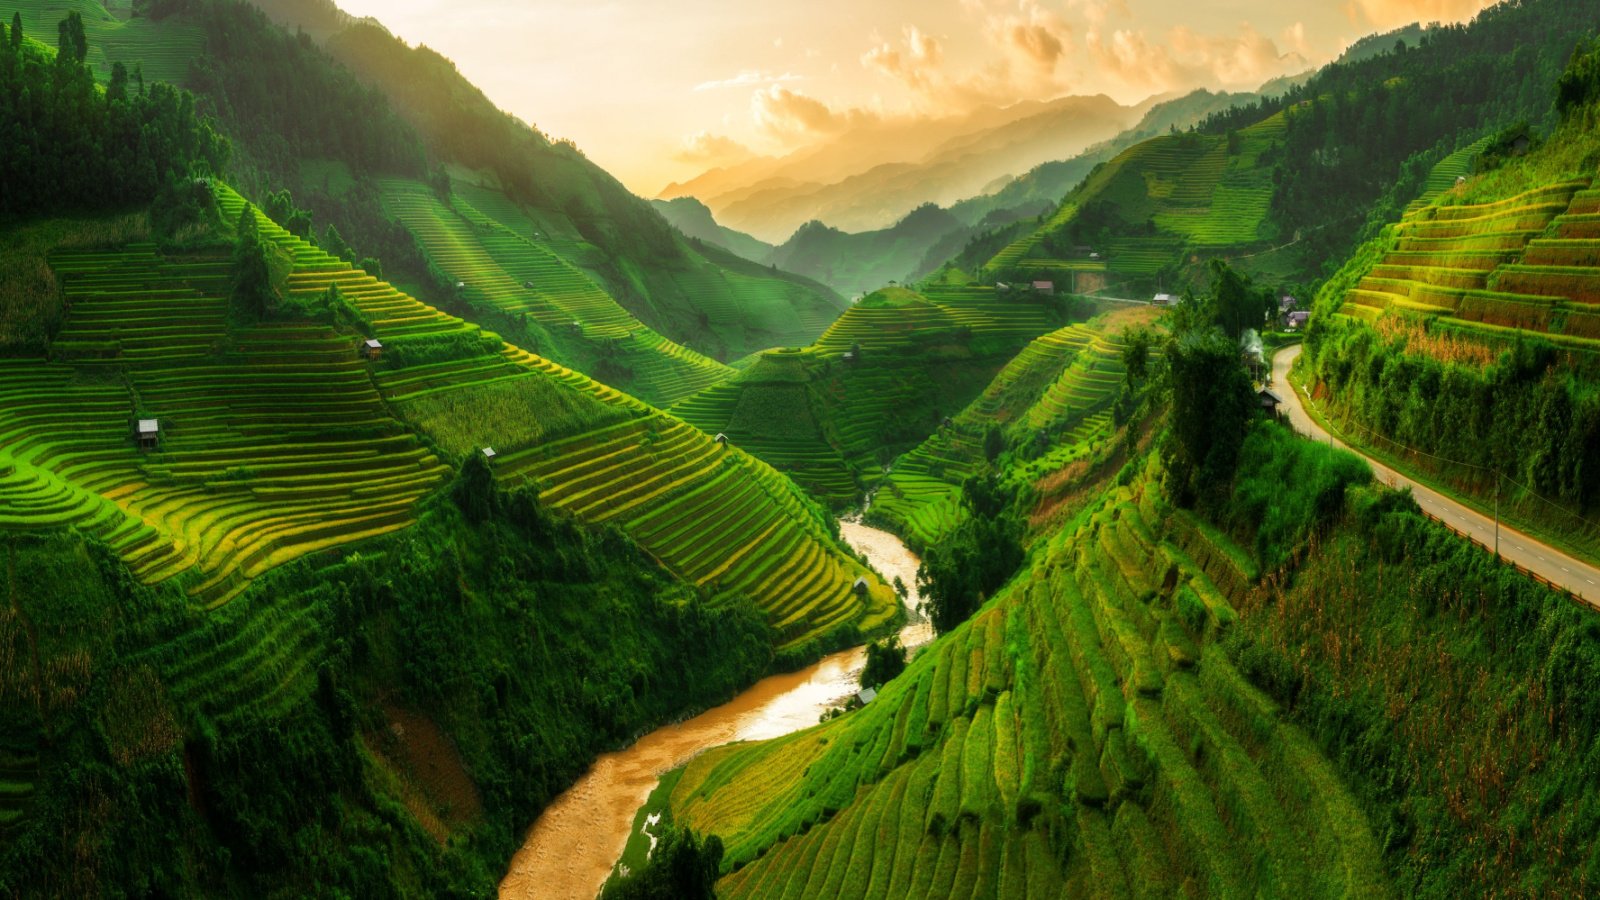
{"x":657,"y":92}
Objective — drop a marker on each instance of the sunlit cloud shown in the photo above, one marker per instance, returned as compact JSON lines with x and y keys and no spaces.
{"x":1189,"y":58}
{"x":791,"y":115}
{"x":748,"y":78}
{"x":1394,"y":13}
{"x":707,"y":149}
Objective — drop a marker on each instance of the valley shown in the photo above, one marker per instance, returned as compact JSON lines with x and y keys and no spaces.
{"x":993,"y":469}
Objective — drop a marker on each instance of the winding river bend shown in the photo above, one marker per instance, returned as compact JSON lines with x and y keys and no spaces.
{"x":570,"y":850}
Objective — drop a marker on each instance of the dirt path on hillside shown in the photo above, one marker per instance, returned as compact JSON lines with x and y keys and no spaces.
{"x":1582,"y":579}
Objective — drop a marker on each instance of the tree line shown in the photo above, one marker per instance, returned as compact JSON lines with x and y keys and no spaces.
{"x":71,"y":146}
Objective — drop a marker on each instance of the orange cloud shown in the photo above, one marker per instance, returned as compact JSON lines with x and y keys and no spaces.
{"x":1030,"y":43}
{"x":706,"y":149}
{"x":1036,"y":36}
{"x":790,"y":115}
{"x":915,"y":62}
{"x":1394,"y":13}
{"x":1188,"y":58}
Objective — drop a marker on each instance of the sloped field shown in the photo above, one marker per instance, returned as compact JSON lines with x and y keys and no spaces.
{"x":1485,"y":271}
{"x":717,"y":516}
{"x":1172,"y":196}
{"x":1084,"y":735}
{"x":274,"y":443}
{"x":1050,"y":402}
{"x":518,"y":275}
{"x":878,"y":381}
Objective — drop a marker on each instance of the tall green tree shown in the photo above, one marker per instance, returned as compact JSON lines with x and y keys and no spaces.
{"x":1212,"y":405}
{"x":682,"y":867}
{"x":71,"y":40}
{"x":16,"y":29}
{"x":962,"y":571}
{"x":252,"y":274}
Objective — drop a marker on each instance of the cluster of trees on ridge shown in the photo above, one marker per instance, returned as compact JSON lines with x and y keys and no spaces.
{"x":71,"y":146}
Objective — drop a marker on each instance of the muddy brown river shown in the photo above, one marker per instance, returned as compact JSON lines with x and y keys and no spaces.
{"x":571,"y":849}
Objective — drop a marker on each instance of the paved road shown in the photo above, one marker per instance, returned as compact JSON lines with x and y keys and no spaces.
{"x":1582,"y":579}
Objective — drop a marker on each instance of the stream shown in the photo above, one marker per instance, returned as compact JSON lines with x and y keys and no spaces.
{"x":571,"y":849}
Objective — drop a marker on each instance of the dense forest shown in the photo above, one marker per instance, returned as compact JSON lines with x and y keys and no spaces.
{"x":73,"y":146}
{"x":513,"y":643}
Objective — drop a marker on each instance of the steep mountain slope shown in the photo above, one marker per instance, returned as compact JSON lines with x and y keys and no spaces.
{"x":879,"y":380}
{"x":694,"y":219}
{"x":1469,"y":330}
{"x":1154,"y":205}
{"x":510,"y":269}
{"x":1361,"y":132}
{"x":855,"y":264}
{"x":326,"y":136}
{"x":875,"y":174}
{"x":715,"y":516}
{"x":1139,"y":713}
{"x":1048,"y":405}
{"x":1050,"y":181}
{"x":637,"y":256}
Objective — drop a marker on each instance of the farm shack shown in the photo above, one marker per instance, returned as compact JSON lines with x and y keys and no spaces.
{"x":1296,"y":320}
{"x":866,"y":695}
{"x":860,"y":586}
{"x":721,"y":439}
{"x":488,"y":454}
{"x":371,"y":348}
{"x":149,"y":433}
{"x":1269,"y":402}
{"x":1044,"y":287}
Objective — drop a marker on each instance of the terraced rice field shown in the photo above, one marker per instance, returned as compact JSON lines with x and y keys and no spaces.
{"x":828,"y":420}
{"x":1443,"y":176}
{"x":279,"y":440}
{"x":1060,"y":386}
{"x":939,"y":314}
{"x":275,"y":442}
{"x":1525,"y":263}
{"x":162,"y":48}
{"x":717,"y":516}
{"x":18,"y":773}
{"x":519,"y":275}
{"x":767,"y":410}
{"x":1201,"y":196}
{"x":1083,"y":735}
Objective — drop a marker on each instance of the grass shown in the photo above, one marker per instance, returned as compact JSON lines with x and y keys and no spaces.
{"x":279,"y":440}
{"x":831,"y":422}
{"x":512,"y":270}
{"x":163,"y":48}
{"x":1200,"y":195}
{"x":1051,"y":401}
{"x":1053,"y":697}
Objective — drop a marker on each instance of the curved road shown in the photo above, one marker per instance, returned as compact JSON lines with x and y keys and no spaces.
{"x":1582,"y":579}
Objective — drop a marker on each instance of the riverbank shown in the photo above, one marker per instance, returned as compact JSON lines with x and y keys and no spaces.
{"x":571,"y":849}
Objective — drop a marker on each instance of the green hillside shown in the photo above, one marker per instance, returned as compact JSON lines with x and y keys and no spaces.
{"x":405,"y":128}
{"x":604,"y":456}
{"x":877,"y":382}
{"x":1283,"y":185}
{"x":1138,"y":714}
{"x":631,"y":251}
{"x":568,"y":316}
{"x":1049,"y":403}
{"x":1470,"y":331}
{"x":1151,"y":207}
{"x":163,"y":47}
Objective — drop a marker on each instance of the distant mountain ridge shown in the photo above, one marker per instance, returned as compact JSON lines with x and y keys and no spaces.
{"x":872,"y":176}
